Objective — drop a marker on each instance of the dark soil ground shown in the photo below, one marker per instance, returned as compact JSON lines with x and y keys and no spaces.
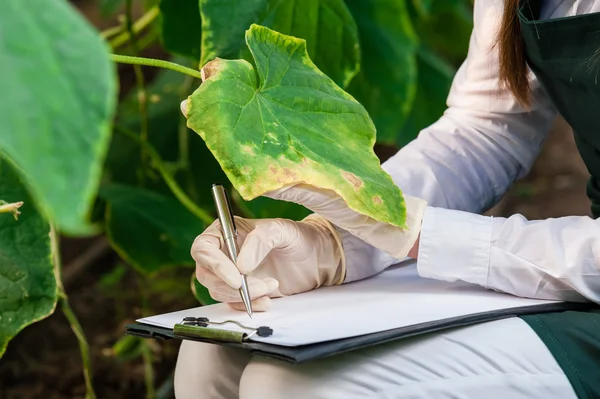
{"x":44,"y":361}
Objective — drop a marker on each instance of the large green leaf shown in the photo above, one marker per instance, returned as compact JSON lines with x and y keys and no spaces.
{"x":28,"y":290}
{"x":58,"y":94}
{"x":149,"y":230}
{"x":286,"y":122}
{"x":387,"y":82}
{"x":435,"y":79}
{"x":181,"y":27}
{"x":326,"y":25}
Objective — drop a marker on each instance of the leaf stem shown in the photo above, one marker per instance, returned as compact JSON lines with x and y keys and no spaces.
{"x":139,"y":79}
{"x":125,"y":59}
{"x":137,"y":27}
{"x":84,"y":347}
{"x":168,"y":177}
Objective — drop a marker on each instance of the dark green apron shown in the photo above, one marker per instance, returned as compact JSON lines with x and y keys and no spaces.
{"x":564,"y":55}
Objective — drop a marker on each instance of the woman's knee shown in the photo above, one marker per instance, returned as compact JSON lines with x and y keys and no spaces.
{"x":208,"y":371}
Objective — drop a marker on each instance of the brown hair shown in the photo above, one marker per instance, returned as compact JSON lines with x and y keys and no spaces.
{"x":511,"y":53}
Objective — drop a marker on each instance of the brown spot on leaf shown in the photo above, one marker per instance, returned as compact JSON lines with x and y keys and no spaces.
{"x":377,"y":200}
{"x":289,"y":173}
{"x":273,"y":169}
{"x":248,"y":149}
{"x":210,"y":69}
{"x":353,"y":179}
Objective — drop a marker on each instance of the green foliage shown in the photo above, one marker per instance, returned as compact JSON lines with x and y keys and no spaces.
{"x":293,"y":124}
{"x":27,"y":276}
{"x":326,"y":25}
{"x":386,"y":85}
{"x":58,"y":94}
{"x":148,"y":183}
{"x":181,"y":27}
{"x":147,"y":229}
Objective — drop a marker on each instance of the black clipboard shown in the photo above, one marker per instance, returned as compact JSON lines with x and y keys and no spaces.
{"x":304,"y":353}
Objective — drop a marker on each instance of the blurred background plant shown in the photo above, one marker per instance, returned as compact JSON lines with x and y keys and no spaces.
{"x":146,"y":184}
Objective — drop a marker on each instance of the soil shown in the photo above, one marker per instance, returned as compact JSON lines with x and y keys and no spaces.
{"x":43,"y":361}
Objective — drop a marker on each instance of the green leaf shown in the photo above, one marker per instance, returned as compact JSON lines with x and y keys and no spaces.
{"x":148,"y":230}
{"x":286,"y":122}
{"x":423,"y":7}
{"x":265,"y":208}
{"x":435,"y":79}
{"x":181,"y":27}
{"x":387,"y":82}
{"x":128,"y":348}
{"x":28,"y":290}
{"x":326,"y":25}
{"x":58,"y":93}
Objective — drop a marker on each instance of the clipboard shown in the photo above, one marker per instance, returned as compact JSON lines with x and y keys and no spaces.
{"x":393,"y":305}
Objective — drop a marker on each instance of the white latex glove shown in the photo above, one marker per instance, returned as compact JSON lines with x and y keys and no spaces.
{"x":279,"y":256}
{"x":393,"y":240}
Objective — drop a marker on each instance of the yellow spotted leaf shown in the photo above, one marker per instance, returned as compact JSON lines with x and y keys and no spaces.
{"x":284,"y":122}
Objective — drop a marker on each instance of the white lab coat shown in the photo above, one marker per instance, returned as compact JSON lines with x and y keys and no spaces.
{"x":461,"y":165}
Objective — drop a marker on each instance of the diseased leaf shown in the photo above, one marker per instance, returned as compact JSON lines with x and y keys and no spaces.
{"x":286,"y":122}
{"x":435,"y":79}
{"x":181,"y":27}
{"x":326,"y":25}
{"x":28,"y":290}
{"x":58,"y":95}
{"x":386,"y":84}
{"x":149,"y":230}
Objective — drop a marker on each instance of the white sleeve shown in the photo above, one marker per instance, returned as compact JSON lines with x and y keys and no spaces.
{"x":546,"y":259}
{"x":475,"y":151}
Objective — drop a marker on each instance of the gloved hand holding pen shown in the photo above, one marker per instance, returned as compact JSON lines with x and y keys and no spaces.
{"x":283,"y":257}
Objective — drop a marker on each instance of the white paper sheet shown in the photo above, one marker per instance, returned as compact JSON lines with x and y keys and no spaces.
{"x":396,"y":298}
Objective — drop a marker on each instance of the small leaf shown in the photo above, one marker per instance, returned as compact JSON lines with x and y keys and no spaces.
{"x":435,"y":79}
{"x":326,"y":25}
{"x":58,"y":94}
{"x":286,"y":122}
{"x":149,"y":230}
{"x":201,"y":292}
{"x":27,"y":277}
{"x":181,"y":27}
{"x":128,"y":348}
{"x":387,"y":82}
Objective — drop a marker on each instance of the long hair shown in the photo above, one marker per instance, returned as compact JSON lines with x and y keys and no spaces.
{"x":511,"y":53}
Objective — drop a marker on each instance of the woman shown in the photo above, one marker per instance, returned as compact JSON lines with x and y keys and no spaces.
{"x":498,"y":117}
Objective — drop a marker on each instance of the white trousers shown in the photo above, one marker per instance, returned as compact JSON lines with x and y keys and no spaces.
{"x":502,"y":359}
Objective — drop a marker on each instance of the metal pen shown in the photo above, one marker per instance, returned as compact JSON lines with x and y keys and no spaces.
{"x":225,"y":215}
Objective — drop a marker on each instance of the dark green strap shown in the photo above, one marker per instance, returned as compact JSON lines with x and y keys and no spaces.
{"x":573,"y":338}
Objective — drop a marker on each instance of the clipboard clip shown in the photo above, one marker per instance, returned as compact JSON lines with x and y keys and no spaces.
{"x":198,"y":327}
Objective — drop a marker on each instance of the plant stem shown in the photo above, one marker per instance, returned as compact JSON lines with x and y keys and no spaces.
{"x":124,"y":59}
{"x":139,"y":78}
{"x":168,"y":177}
{"x":84,"y":347}
{"x":182,"y":128}
{"x":137,"y":27}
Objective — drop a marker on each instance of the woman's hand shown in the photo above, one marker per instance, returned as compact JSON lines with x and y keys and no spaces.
{"x":279,"y":256}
